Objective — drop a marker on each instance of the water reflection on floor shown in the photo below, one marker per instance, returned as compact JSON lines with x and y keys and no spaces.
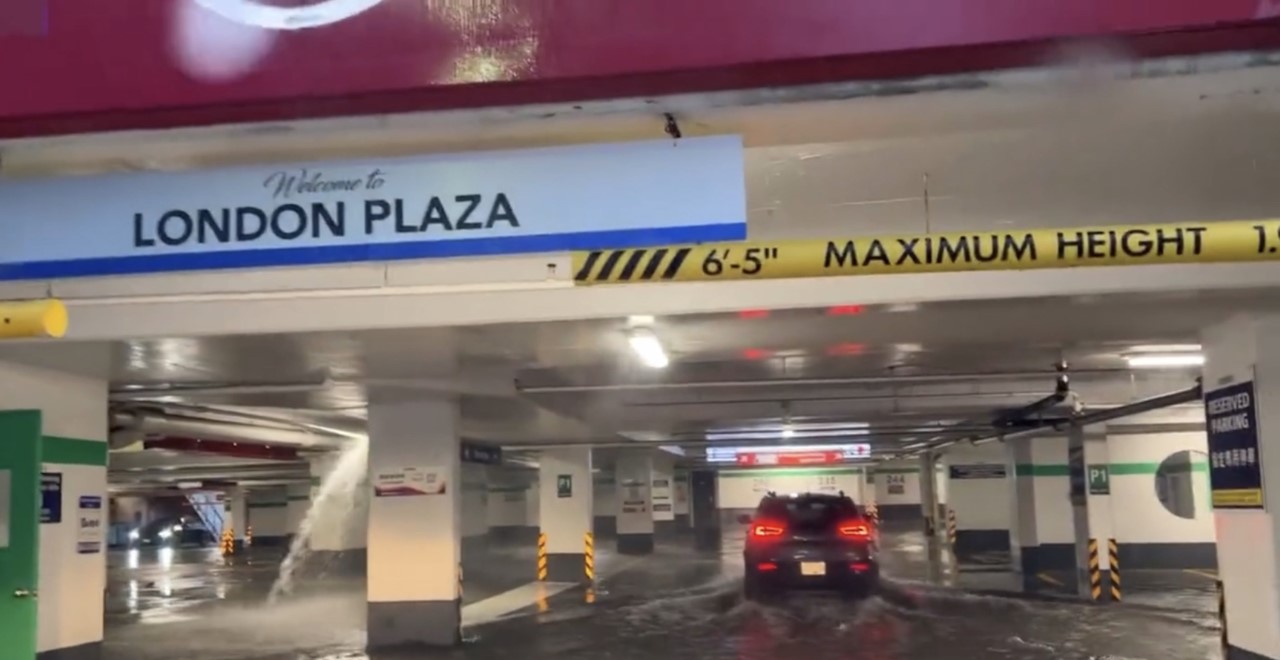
{"x":676,"y":605}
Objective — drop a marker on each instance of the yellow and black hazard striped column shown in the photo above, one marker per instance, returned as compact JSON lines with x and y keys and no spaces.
{"x":228,"y":542}
{"x":459,"y":581}
{"x":873,"y":512}
{"x":951,"y":529}
{"x":542,"y":557}
{"x":1095,"y":572}
{"x":1113,"y":558}
{"x":589,"y":558}
{"x":632,"y":265}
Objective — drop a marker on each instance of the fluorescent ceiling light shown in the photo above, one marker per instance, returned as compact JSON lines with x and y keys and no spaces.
{"x":1158,"y":360}
{"x":1166,"y":348}
{"x":648,"y":348}
{"x":788,"y":431}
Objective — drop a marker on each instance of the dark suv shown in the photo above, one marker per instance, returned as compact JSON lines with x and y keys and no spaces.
{"x":810,"y":541}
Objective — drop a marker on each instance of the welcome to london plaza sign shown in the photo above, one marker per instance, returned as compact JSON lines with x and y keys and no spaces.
{"x":484,"y":203}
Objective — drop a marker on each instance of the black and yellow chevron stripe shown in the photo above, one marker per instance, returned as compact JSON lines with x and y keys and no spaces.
{"x":631,"y":265}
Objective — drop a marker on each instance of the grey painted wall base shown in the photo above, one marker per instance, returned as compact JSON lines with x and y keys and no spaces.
{"x":1234,"y":653}
{"x":707,"y":539}
{"x":973,"y":542}
{"x":514,"y":535}
{"x":475,"y":545}
{"x":270,"y":541}
{"x":1061,"y":556}
{"x":415,"y":624}
{"x":1168,"y":555}
{"x":635,"y":544}
{"x":90,"y":651}
{"x":900,"y":512}
{"x":605,"y":525}
{"x":665,"y":528}
{"x":566,"y":567}
{"x":1048,"y":557}
{"x":338,"y":562}
{"x":684,"y":521}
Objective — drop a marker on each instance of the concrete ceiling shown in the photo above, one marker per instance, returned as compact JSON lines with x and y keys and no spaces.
{"x":1007,"y":151}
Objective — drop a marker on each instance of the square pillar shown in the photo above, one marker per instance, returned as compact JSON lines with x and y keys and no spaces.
{"x":979,"y":489}
{"x":634,"y":472}
{"x":341,"y":531}
{"x":1042,"y":535}
{"x":298,"y":504}
{"x":65,"y":420}
{"x":662,"y":492}
{"x":684,"y":521}
{"x":415,"y":530}
{"x":565,"y":488}
{"x":1242,"y":396}
{"x":704,"y":509}
{"x":235,"y":515}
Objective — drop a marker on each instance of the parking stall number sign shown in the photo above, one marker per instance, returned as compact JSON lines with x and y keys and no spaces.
{"x":1235,"y":461}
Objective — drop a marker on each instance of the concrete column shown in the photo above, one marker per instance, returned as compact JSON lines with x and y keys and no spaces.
{"x":298,"y":498}
{"x":634,"y":471}
{"x":604,"y":496}
{"x":979,"y":489}
{"x":415,"y":528}
{"x":236,"y":516}
{"x":268,"y":515}
{"x":929,"y":508}
{"x":565,"y":488}
{"x":704,"y":509}
{"x":71,"y":574}
{"x":1242,"y":396}
{"x":929,"y":493}
{"x":475,"y":510}
{"x":684,"y":521}
{"x":1079,"y":507}
{"x":663,"y":495}
{"x":1101,"y":525}
{"x":1043,"y":531}
{"x":342,"y":516}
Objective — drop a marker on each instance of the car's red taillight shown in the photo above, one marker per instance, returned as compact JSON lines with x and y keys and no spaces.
{"x":763,"y":530}
{"x":855,"y":530}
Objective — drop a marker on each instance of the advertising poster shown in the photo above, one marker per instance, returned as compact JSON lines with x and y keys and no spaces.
{"x":410,"y":481}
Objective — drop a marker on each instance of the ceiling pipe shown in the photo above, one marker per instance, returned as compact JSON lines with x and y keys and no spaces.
{"x":1018,"y":416}
{"x":130,"y":428}
{"x":1175,"y":398}
{"x":805,"y":382}
{"x":128,"y":393}
{"x":850,"y":398}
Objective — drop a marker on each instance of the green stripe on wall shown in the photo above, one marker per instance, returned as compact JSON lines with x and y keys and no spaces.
{"x":267,"y":505}
{"x":299,"y":498}
{"x":1117,"y":469}
{"x":1029,"y":470}
{"x":895,"y":470}
{"x":70,"y":451}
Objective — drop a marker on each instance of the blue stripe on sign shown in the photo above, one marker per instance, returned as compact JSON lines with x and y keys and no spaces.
{"x":334,"y":254}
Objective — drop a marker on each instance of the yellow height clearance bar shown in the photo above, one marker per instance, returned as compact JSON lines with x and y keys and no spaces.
{"x":1132,"y":245}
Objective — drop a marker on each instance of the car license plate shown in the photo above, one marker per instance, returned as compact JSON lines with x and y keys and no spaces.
{"x":813,"y":568}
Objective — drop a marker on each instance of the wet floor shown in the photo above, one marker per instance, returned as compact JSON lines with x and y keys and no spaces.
{"x":676,"y":605}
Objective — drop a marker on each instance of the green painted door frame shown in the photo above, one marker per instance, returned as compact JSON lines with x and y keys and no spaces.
{"x":20,"y":442}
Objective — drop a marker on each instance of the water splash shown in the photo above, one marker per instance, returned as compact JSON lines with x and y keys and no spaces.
{"x":331,"y":506}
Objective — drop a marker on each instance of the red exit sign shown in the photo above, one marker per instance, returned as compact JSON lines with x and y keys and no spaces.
{"x":791,"y":458}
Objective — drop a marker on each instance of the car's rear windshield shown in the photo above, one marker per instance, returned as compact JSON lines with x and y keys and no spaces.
{"x":809,"y":511}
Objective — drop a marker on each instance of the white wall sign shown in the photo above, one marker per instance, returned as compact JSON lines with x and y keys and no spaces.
{"x":410,"y":481}
{"x":483,"y":203}
{"x":89,"y":526}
